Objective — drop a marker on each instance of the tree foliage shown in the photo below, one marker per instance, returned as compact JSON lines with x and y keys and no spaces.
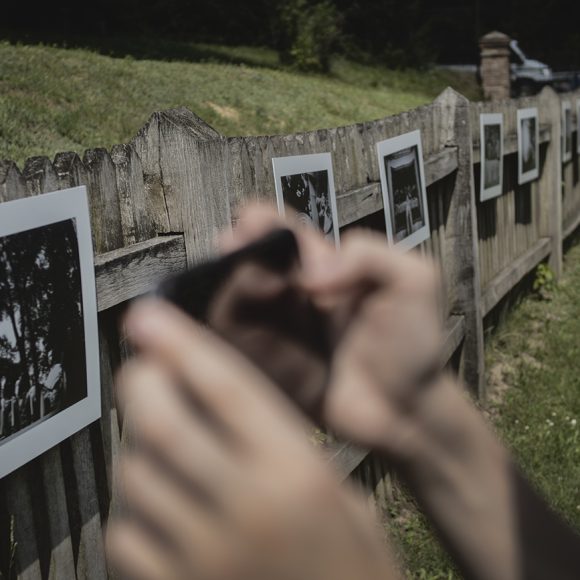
{"x":41,"y":316}
{"x":400,"y":33}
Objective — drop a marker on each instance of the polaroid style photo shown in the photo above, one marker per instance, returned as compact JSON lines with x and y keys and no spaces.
{"x":306,"y":184}
{"x":49,"y":358}
{"x":404,"y":189}
{"x":491,"y":131}
{"x":566,"y":132}
{"x":528,"y":145}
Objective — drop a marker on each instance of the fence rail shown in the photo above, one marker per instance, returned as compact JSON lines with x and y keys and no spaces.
{"x":156,"y":204}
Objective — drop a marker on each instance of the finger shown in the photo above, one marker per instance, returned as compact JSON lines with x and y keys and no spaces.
{"x":256,"y":220}
{"x":158,"y":418}
{"x":137,"y":555}
{"x":365,"y":257}
{"x":230,"y":388}
{"x":167,"y":505}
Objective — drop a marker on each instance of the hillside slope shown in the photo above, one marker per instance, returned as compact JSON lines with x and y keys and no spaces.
{"x":56,"y":99}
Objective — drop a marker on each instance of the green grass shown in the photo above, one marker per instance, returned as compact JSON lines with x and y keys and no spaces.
{"x":58,"y":99}
{"x":533,"y":373}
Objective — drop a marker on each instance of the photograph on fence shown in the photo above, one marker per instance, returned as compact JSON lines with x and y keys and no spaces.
{"x":491,"y":151}
{"x":306,"y":184}
{"x":404,"y":190}
{"x":49,"y":359}
{"x":528,"y":145}
{"x":566,"y":132}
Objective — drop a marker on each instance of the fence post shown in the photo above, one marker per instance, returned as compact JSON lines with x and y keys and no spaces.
{"x":495,"y":66}
{"x":461,"y":253}
{"x":551,"y":179}
{"x":194,"y":175}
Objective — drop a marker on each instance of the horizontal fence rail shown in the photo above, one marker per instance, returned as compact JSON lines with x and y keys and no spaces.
{"x":156,"y":205}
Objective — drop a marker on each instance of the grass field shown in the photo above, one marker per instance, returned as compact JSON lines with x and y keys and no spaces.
{"x":533,"y":373}
{"x":59,"y":99}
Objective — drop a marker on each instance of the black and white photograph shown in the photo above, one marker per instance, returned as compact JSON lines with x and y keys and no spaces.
{"x":404,"y":189}
{"x":528,"y":145}
{"x":49,"y":381}
{"x":566,"y":132}
{"x":491,"y":131}
{"x":306,"y":184}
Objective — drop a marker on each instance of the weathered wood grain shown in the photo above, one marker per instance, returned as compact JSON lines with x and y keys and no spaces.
{"x":84,"y":514}
{"x":551,"y":181}
{"x":510,"y":143}
{"x":514,"y":273}
{"x":134,"y":270}
{"x":363,"y":201}
{"x":193,"y":164}
{"x":136,"y":210}
{"x":460,"y":249}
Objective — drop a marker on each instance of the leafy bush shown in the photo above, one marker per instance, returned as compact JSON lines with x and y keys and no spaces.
{"x":307,"y":34}
{"x":544,"y":283}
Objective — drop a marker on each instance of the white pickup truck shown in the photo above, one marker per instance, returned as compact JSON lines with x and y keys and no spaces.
{"x":528,"y":76}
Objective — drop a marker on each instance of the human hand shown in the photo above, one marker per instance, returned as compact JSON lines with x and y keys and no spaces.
{"x":385,"y":323}
{"x":222,"y":483}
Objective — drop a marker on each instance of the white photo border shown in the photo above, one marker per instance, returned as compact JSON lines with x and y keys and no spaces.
{"x":296,"y":164}
{"x":34,"y":212}
{"x":566,"y":156}
{"x":388,"y":147}
{"x":486,"y":119}
{"x":525,"y":177}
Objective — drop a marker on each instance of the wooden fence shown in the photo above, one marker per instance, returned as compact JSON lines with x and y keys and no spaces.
{"x":156,"y":205}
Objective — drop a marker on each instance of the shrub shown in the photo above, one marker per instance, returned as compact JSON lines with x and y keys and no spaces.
{"x":307,"y":34}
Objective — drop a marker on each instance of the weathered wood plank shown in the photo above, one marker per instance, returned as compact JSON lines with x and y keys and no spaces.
{"x":454,"y":334}
{"x":130,"y":271}
{"x":194,"y":164}
{"x":84,"y":514}
{"x":40,"y":175}
{"x":460,"y":251}
{"x":136,"y":208}
{"x":366,"y":200}
{"x":572,"y":227}
{"x":19,"y":505}
{"x":62,"y":564}
{"x":510,"y":143}
{"x":345,"y":457}
{"x":514,"y":273}
{"x":77,"y":453}
{"x":103,"y":200}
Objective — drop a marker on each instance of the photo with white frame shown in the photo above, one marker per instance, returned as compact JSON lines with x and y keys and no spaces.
{"x":528,"y":145}
{"x":491,"y":153}
{"x":306,"y":184}
{"x":566,"y":132}
{"x":49,"y":349}
{"x":404,"y":189}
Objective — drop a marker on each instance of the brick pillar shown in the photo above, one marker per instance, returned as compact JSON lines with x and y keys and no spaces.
{"x":495,"y":66}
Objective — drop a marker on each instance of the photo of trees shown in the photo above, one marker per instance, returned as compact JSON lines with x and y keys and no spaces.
{"x":42,"y":346}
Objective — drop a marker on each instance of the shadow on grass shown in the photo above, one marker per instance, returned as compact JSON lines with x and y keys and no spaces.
{"x":148,"y":48}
